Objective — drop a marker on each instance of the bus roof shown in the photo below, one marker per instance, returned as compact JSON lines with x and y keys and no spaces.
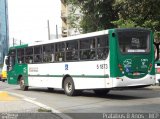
{"x":80,"y":36}
{"x":63,"y":39}
{"x":71,"y":38}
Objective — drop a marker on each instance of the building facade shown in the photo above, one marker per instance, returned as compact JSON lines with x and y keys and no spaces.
{"x":71,"y":17}
{"x":4,"y":37}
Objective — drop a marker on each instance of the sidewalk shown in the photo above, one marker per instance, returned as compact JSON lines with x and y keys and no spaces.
{"x":18,"y":108}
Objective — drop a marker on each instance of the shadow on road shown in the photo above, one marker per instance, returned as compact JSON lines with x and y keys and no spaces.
{"x":113,"y":94}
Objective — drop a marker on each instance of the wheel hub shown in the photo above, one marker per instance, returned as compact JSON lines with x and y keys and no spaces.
{"x":69,"y":87}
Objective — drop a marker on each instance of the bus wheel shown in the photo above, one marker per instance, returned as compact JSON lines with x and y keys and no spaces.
{"x":22,"y":85}
{"x":101,"y":92}
{"x":3,"y":80}
{"x":69,"y":88}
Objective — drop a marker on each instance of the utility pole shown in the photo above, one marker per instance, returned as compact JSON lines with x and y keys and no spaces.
{"x":56,"y":31}
{"x":13,"y":41}
{"x":48,"y":26}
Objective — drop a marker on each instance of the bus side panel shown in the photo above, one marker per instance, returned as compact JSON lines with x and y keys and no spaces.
{"x":18,"y":69}
{"x":86,"y":74}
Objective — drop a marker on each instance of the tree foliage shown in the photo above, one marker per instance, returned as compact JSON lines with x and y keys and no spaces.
{"x":97,"y":14}
{"x":141,"y":13}
{"x":104,"y":14}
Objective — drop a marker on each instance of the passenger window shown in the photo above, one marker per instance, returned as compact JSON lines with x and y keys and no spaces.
{"x":12,"y":58}
{"x":102,"y":47}
{"x":71,"y":50}
{"x":48,"y":53}
{"x":37,"y":54}
{"x":29,"y":55}
{"x":60,"y":47}
{"x":20,"y":56}
{"x":59,"y":54}
{"x":87,"y":49}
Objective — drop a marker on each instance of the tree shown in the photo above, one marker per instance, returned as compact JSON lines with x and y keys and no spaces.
{"x":142,"y":13}
{"x":105,"y":14}
{"x":74,"y":19}
{"x":97,"y":14}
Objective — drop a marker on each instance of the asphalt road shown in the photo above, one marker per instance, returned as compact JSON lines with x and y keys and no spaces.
{"x":144,"y":100}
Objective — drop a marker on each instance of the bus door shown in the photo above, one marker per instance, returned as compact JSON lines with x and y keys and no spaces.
{"x":12,"y":77}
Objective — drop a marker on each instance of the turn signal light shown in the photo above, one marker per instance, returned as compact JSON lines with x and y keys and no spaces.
{"x":120,"y":67}
{"x":150,"y":66}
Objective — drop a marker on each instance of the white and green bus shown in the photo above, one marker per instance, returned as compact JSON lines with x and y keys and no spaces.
{"x":101,"y":61}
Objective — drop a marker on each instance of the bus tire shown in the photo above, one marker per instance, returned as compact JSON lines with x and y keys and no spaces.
{"x":22,"y":85}
{"x":69,"y":87}
{"x":101,"y":92}
{"x":3,"y":80}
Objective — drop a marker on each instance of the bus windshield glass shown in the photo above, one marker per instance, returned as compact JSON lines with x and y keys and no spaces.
{"x":132,"y":41}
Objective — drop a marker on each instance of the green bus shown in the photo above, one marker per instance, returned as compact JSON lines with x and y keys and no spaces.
{"x":99,"y":61}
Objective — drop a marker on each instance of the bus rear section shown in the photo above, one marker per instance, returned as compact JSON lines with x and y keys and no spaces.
{"x":134,"y":62}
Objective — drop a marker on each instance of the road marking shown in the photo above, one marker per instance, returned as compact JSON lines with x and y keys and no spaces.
{"x":32,"y":100}
{"x":21,"y":96}
{"x":4,"y":96}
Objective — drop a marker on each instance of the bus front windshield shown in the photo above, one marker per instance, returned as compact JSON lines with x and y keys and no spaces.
{"x":134,"y":41}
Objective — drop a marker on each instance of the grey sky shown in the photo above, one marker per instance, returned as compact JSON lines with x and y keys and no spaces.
{"x":28,"y":19}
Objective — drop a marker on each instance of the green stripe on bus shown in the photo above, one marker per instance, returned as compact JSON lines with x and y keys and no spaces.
{"x":77,"y":76}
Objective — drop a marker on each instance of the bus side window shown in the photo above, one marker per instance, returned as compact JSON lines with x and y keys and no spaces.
{"x":38,"y":54}
{"x":84,"y":54}
{"x":29,"y":55}
{"x":46,"y":57}
{"x":52,"y":57}
{"x":87,"y":49}
{"x":12,"y":60}
{"x":92,"y":54}
{"x":37,"y":58}
{"x":28,"y":59}
{"x":71,"y":50}
{"x":102,"y":47}
{"x":59,"y":51}
{"x":20,"y":53}
{"x":48,"y":53}
{"x":12,"y":57}
{"x":60,"y":56}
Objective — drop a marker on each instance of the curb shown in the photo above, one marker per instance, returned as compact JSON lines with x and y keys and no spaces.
{"x":31,"y":100}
